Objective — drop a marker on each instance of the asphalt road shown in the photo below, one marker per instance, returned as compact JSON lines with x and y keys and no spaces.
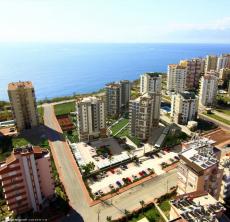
{"x":113,"y":207}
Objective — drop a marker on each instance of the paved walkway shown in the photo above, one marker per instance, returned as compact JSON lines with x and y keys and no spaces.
{"x":223,"y":115}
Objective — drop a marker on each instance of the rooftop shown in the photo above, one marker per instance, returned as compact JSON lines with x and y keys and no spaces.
{"x":188,"y":95}
{"x":200,"y":152}
{"x":177,"y":66}
{"x":17,"y":85}
{"x":153,"y":74}
{"x":90,"y":99}
{"x":198,"y":206}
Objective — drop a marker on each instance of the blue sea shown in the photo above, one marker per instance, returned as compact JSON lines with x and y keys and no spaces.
{"x":63,"y":69}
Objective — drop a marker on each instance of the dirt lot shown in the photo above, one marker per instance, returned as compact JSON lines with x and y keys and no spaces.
{"x":221,"y":136}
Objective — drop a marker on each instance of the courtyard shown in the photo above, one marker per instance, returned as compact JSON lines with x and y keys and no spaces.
{"x":117,"y":163}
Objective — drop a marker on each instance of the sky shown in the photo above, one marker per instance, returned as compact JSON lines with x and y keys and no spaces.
{"x":134,"y":21}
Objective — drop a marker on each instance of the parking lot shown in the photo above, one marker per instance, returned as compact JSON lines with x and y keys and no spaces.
{"x":117,"y":177}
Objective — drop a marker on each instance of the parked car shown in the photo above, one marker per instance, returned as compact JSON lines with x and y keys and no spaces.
{"x":134,"y":177}
{"x":100,"y":192}
{"x":112,"y":171}
{"x":111,"y":186}
{"x":119,"y":183}
{"x":97,"y":194}
{"x":128,"y":179}
{"x":143,"y":172}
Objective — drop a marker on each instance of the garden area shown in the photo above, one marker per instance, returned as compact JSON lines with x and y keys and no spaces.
{"x":72,"y":136}
{"x":149,"y":210}
{"x":172,"y":140}
{"x":40,"y":114}
{"x":64,"y":108}
{"x":218,"y":118}
{"x":118,"y":126}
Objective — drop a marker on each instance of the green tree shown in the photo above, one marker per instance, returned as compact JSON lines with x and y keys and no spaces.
{"x":88,"y":168}
{"x":142,"y":203}
{"x":127,"y":213}
{"x":109,"y":219}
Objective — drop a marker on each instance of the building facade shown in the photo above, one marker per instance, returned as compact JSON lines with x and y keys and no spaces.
{"x":224,"y":74}
{"x":225,"y":186}
{"x":223,"y":62}
{"x":198,"y":168}
{"x":23,"y":103}
{"x":194,"y":67}
{"x":176,"y":78}
{"x":210,"y":63}
{"x":208,"y":90}
{"x":150,"y":83}
{"x":26,"y":179}
{"x":117,"y":97}
{"x":144,"y":115}
{"x":184,"y":107}
{"x":91,"y":117}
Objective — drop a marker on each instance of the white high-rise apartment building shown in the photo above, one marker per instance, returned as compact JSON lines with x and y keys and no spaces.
{"x":150,"y":83}
{"x":117,"y":96}
{"x":144,"y":115}
{"x":91,"y":116}
{"x":210,"y":63}
{"x":23,"y":103}
{"x":208,"y":90}
{"x":223,"y":62}
{"x":184,"y":107}
{"x":176,"y":78}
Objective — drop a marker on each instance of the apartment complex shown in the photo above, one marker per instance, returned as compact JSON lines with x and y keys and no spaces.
{"x":117,"y":96}
{"x":194,"y":67}
{"x":26,"y":179}
{"x":184,"y":107}
{"x":196,"y":206}
{"x":223,"y":62}
{"x":225,"y":186}
{"x":144,"y":115}
{"x":150,"y":83}
{"x":91,"y":117}
{"x":210,"y":63}
{"x":198,"y":168}
{"x":208,"y":90}
{"x":176,"y":78}
{"x":224,"y":74}
{"x":23,"y":102}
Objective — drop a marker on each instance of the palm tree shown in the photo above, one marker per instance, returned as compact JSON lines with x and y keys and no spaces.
{"x":126,"y":212}
{"x":109,"y":219}
{"x":142,"y":203}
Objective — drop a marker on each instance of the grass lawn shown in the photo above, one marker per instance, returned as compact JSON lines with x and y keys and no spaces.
{"x":165,"y":207}
{"x":225,"y":111}
{"x":40,"y":114}
{"x":19,"y":141}
{"x":64,"y":108}
{"x":219,"y":118}
{"x":124,"y":132}
{"x":118,"y":126}
{"x":151,"y":214}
